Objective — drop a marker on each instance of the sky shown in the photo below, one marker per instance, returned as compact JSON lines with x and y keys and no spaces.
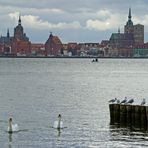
{"x":71,"y":20}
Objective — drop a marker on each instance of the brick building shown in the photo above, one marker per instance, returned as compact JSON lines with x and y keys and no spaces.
{"x":20,"y":43}
{"x":5,"y":44}
{"x":38,"y":49}
{"x":53,"y":45}
{"x":121,"y":44}
{"x":136,"y":30}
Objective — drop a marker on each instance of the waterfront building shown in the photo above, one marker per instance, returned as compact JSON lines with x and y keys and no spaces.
{"x":123,"y":43}
{"x":5,"y":44}
{"x":65,"y":49}
{"x":136,"y":30}
{"x":53,"y":46}
{"x":72,"y":49}
{"x":138,"y":34}
{"x":140,"y":50}
{"x":104,"y":43}
{"x":105,"y":47}
{"x":20,"y":42}
{"x":120,"y":43}
{"x":38,"y":49}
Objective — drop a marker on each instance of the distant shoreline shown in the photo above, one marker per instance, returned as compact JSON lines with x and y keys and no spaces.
{"x":73,"y":57}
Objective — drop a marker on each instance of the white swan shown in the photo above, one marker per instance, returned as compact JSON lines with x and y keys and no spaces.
{"x":12,"y":127}
{"x":58,"y":124}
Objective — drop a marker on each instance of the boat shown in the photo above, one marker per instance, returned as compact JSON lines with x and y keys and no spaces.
{"x":95,"y":60}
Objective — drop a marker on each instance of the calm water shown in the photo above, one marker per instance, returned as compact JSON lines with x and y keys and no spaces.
{"x":35,"y":91}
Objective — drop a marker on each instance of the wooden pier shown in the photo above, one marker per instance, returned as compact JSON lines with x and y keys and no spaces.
{"x":133,"y":116}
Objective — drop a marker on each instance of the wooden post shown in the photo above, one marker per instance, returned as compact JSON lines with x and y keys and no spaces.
{"x":129,"y":114}
{"x":133,"y":116}
{"x":111,"y":108}
{"x":143,"y":118}
{"x":116,"y":113}
{"x":137,"y":117}
{"x":123,"y":118}
{"x":146,"y":108}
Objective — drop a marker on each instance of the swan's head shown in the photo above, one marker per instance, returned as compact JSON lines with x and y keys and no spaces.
{"x":59,"y":116}
{"x":10,"y":119}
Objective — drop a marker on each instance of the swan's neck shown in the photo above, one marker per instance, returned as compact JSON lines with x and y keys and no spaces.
{"x":10,"y":127}
{"x":59,"y":123}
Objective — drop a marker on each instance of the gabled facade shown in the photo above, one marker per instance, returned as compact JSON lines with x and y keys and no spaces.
{"x":53,"y":45}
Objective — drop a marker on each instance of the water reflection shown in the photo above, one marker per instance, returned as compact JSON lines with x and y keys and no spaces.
{"x":130,"y":127}
{"x":10,"y":137}
{"x":10,"y":140}
{"x":59,"y":132}
{"x":130,"y":135}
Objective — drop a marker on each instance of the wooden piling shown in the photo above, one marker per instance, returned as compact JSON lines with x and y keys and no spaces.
{"x":116,"y":113}
{"x":129,"y":115}
{"x":111,"y":108}
{"x":143,"y":118}
{"x":123,"y":115}
{"x":133,"y":116}
{"x":146,"y":109}
{"x":137,"y":113}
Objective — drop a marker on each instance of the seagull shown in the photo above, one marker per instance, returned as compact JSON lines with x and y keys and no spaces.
{"x":112,"y":100}
{"x":143,"y":102}
{"x":130,"y":101}
{"x":124,"y":101}
{"x":118,"y":101}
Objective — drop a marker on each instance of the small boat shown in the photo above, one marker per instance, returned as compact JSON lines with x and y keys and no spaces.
{"x":95,"y":60}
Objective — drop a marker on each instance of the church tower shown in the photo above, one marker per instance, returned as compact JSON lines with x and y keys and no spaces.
{"x":20,"y":42}
{"x":129,"y":28}
{"x":18,"y":30}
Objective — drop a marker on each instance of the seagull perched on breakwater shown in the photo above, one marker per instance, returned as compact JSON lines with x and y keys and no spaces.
{"x":118,"y":101}
{"x":124,"y":101}
{"x":130,"y":101}
{"x":112,"y":100}
{"x":143,"y":102}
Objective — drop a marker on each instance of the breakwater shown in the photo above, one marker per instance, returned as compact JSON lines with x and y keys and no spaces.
{"x":133,"y":116}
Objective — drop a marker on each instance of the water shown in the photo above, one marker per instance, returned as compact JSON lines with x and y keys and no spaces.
{"x":35,"y":91}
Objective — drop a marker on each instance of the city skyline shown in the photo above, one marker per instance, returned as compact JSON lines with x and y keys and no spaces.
{"x":74,"y":21}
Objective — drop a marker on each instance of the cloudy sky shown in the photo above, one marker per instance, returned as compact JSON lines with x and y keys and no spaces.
{"x":71,"y":20}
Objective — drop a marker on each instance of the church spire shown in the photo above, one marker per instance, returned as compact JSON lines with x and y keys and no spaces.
{"x":129,"y":15}
{"x":8,"y":35}
{"x":19,"y":21}
{"x":129,"y":22}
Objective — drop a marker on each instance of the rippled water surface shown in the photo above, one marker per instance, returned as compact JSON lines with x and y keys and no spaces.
{"x":35,"y":91}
